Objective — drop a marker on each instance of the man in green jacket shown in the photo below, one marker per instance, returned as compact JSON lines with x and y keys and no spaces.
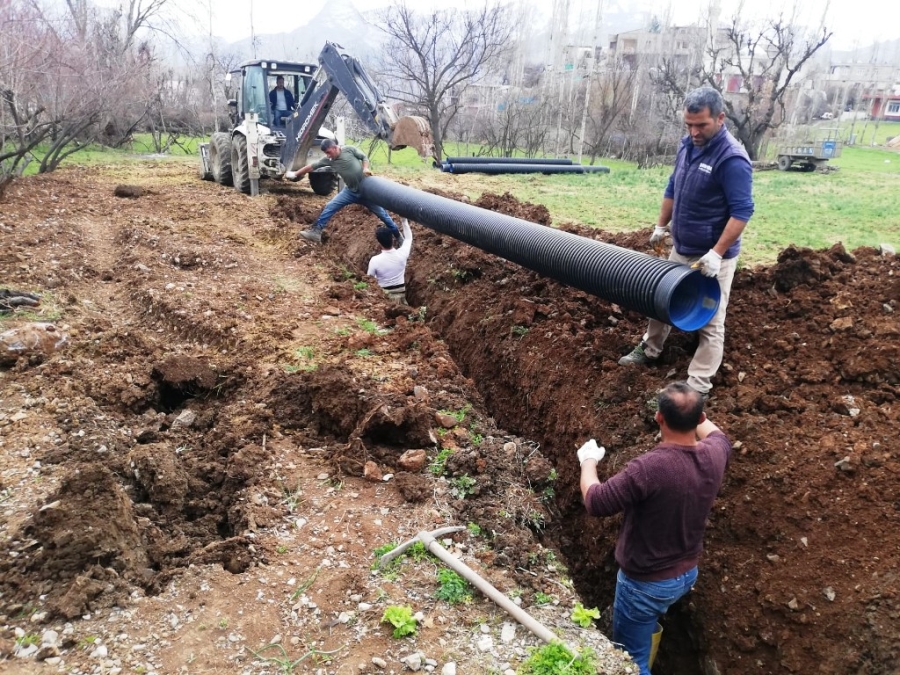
{"x":352,"y":165}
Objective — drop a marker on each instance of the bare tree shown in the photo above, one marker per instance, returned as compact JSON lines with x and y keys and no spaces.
{"x":68,"y":80}
{"x":431,"y":59}
{"x":761,"y":64}
{"x":611,"y":98}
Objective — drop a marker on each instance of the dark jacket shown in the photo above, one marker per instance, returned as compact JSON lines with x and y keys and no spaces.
{"x":288,"y":99}
{"x":700,"y":187}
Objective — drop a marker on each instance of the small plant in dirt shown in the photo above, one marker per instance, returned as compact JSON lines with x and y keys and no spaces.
{"x":303,"y":360}
{"x":291,"y":498}
{"x":370,"y":326}
{"x":28,"y":639}
{"x":343,"y":332}
{"x":223,"y":623}
{"x":401,"y":618}
{"x":360,"y":286}
{"x":556,"y":659}
{"x":519,"y":331}
{"x":541,"y":598}
{"x":420,"y":315}
{"x":462,"y":486}
{"x":285,"y":663}
{"x":281,"y":550}
{"x":583,"y":616}
{"x":474,"y":436}
{"x":452,"y":589}
{"x":460,"y":414}
{"x":364,"y":353}
{"x":439,"y":465}
{"x":347,"y":274}
{"x":306,"y":585}
{"x":474,"y":529}
{"x":418,"y":552}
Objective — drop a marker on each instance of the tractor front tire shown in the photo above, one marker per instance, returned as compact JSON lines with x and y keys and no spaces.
{"x":784,"y":163}
{"x":240,"y":164}
{"x":322,"y":182}
{"x":220,"y":157}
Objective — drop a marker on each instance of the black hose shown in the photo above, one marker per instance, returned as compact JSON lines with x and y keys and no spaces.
{"x":506,"y":160}
{"x":521,"y":168}
{"x":663,"y":290}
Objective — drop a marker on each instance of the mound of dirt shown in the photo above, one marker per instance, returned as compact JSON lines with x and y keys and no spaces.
{"x":800,"y":567}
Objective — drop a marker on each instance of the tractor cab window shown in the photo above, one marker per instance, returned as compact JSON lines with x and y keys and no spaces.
{"x":296,"y":84}
{"x":255,"y":95}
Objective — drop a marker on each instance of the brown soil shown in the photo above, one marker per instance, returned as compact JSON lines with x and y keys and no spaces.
{"x":222,"y":382}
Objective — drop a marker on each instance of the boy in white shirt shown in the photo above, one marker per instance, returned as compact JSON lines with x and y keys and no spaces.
{"x":389,"y":266}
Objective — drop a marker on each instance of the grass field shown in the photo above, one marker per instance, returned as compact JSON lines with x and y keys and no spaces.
{"x":858,"y":205}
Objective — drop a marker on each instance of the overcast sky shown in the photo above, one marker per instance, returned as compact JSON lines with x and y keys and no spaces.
{"x":853,"y":21}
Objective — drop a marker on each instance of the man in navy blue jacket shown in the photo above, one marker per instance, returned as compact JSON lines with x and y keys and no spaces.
{"x":707,"y":203}
{"x":282,"y":102}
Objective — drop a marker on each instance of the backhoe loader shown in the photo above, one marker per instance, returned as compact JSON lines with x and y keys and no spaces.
{"x":262,"y":146}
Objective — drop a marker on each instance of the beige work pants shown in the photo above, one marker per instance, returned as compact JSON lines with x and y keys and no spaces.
{"x":708,"y":356}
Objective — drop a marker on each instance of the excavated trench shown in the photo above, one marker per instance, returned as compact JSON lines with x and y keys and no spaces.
{"x":812,"y":342}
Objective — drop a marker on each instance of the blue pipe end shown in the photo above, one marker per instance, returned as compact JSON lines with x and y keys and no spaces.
{"x":694,"y":300}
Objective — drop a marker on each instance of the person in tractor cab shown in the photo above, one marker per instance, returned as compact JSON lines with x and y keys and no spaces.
{"x":352,"y":165}
{"x":282,"y":102}
{"x":666,"y":496}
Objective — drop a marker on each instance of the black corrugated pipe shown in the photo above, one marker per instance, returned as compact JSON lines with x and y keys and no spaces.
{"x":659,"y":289}
{"x":506,"y":160}
{"x":522,"y":168}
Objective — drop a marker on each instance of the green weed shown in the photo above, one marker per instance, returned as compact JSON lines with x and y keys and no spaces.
{"x":452,"y":589}
{"x":556,"y":659}
{"x":285,"y":663}
{"x":541,"y":598}
{"x":584,"y":617}
{"x":519,"y":331}
{"x":401,"y":619}
{"x":364,"y":353}
{"x":439,"y":465}
{"x":474,"y":529}
{"x":462,"y":486}
{"x":360,"y":286}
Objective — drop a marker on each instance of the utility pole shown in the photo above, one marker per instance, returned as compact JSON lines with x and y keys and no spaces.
{"x":252,"y":34}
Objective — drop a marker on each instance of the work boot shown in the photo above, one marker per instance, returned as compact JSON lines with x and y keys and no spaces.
{"x":314,"y":234}
{"x":637,"y":356}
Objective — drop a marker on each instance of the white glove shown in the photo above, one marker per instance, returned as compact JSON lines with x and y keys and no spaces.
{"x":591,"y":450}
{"x":710,"y":264}
{"x":290,"y":175}
{"x":659,"y":234}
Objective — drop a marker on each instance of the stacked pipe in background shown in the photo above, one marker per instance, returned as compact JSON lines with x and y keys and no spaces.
{"x":499,"y":165}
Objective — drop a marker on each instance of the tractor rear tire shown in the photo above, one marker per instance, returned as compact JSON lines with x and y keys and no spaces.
{"x":322,"y":182}
{"x":240,"y":164}
{"x":784,"y":163}
{"x":220,"y":157}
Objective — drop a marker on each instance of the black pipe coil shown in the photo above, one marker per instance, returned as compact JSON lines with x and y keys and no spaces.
{"x":659,"y":289}
{"x":507,"y":160}
{"x":546,"y":169}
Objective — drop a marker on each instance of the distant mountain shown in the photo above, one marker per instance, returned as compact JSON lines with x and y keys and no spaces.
{"x":887,"y":52}
{"x":339,"y":21}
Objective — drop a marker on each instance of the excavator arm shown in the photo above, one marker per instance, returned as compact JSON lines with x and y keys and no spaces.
{"x":340,"y":73}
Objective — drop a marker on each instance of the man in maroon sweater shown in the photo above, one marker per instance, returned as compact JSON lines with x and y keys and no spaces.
{"x":666,"y":496}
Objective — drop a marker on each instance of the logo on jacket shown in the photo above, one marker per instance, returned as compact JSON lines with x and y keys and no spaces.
{"x":705,"y":168}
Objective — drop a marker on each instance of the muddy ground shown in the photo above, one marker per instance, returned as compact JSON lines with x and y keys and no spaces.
{"x":222,"y":382}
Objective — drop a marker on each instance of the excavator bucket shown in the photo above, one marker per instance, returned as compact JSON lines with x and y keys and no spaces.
{"x":413,"y":132}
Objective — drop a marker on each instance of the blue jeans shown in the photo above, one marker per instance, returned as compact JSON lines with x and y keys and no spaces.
{"x":637,"y":608}
{"x":279,"y":115}
{"x":346,"y":197}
